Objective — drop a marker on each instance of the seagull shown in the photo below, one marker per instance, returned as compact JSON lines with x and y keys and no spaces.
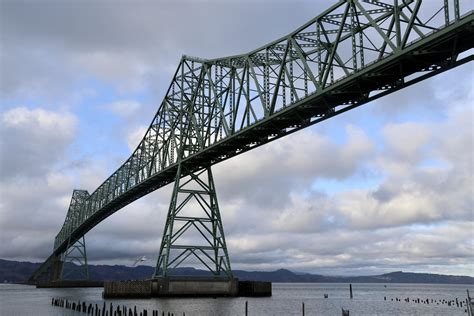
{"x":140,"y":259}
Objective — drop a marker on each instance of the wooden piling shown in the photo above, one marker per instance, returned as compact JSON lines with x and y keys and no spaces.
{"x":246,"y":308}
{"x":302,"y":308}
{"x":350,"y":289}
{"x":104,"y":310}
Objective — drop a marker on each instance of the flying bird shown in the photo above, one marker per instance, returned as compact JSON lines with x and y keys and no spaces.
{"x":140,"y":259}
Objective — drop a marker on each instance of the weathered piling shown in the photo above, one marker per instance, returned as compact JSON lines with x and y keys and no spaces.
{"x":451,"y":302}
{"x":350,"y":289}
{"x":302,"y":308}
{"x":97,"y":310}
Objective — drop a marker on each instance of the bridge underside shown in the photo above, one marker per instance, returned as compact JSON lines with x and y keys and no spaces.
{"x":431,"y":55}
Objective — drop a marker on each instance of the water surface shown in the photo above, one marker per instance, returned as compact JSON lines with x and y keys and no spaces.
{"x":287,"y":299}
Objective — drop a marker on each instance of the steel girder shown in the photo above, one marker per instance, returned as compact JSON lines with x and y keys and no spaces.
{"x":193,"y":229}
{"x":76,"y":255}
{"x":214,"y":109}
{"x":74,"y":214}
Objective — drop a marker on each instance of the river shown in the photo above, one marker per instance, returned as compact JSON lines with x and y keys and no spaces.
{"x":287,"y":299}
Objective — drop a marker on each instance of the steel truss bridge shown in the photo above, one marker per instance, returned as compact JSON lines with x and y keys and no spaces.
{"x":214,"y":109}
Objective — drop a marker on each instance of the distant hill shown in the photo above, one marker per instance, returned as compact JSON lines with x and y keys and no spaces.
{"x":14,"y":271}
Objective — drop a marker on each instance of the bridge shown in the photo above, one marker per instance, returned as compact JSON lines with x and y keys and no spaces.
{"x":352,"y":53}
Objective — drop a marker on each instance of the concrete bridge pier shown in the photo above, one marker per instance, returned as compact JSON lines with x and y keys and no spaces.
{"x":189,"y":286}
{"x":186,"y":287}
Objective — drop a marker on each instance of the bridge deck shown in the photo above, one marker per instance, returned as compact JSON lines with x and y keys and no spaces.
{"x":429,"y":55}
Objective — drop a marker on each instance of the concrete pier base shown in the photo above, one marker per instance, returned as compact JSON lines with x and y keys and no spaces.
{"x":255,"y":288}
{"x":185,"y":287}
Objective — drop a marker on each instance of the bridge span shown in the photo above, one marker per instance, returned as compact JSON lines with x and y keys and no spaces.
{"x":214,"y":109}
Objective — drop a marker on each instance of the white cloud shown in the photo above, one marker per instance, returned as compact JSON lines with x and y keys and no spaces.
{"x":407,"y":140}
{"x":127,"y":109}
{"x":127,"y":72}
{"x":412,"y":193}
{"x":135,"y":136}
{"x":305,"y":214}
{"x":31,"y":140}
{"x":267,"y":175}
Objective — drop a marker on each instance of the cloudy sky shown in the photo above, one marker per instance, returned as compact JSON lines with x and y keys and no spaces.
{"x":388,"y":186}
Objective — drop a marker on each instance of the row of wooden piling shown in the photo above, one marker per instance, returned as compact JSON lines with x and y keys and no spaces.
{"x":459,"y":303}
{"x":97,"y":310}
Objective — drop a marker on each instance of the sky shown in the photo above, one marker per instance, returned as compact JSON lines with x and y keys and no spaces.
{"x":385,"y":187}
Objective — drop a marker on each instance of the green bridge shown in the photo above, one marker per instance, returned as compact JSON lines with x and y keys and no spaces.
{"x":214,"y":109}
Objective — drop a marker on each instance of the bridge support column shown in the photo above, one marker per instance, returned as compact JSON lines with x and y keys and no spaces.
{"x":193,"y":231}
{"x":76,"y":256}
{"x":56,"y":270}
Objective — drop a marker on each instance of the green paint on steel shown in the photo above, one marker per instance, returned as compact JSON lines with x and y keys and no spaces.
{"x":76,"y":255}
{"x":214,"y":109}
{"x":194,"y":218}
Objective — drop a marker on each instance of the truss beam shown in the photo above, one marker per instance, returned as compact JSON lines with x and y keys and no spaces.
{"x":74,"y":261}
{"x":215,"y":109}
{"x":196,"y":195}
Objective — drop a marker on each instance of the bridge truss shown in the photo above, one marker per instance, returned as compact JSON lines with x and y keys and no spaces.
{"x":352,"y":53}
